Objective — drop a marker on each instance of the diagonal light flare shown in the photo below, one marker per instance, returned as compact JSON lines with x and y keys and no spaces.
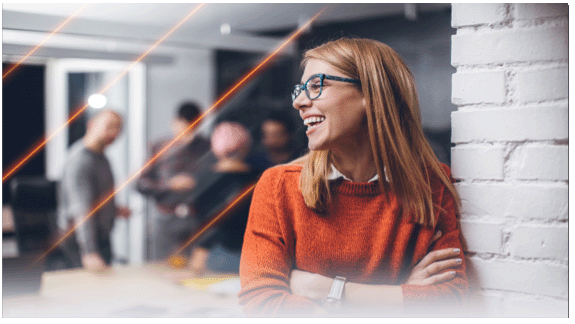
{"x":44,"y":41}
{"x":21,"y":162}
{"x":190,"y":127}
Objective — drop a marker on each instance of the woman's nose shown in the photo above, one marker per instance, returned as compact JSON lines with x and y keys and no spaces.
{"x":301,"y":101}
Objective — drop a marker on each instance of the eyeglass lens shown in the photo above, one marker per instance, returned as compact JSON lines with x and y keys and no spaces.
{"x":312,"y":87}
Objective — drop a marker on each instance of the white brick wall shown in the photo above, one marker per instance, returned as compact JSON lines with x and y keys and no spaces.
{"x":535,"y":123}
{"x":547,"y":201}
{"x":511,"y":153}
{"x":543,"y":162}
{"x":510,"y":46}
{"x":540,"y":241}
{"x":466,"y":91}
{"x":536,"y":278}
{"x":542,"y":84}
{"x":478,"y":162}
{"x":526,"y":11}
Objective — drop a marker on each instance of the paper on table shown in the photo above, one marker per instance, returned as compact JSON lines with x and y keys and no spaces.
{"x":218,"y":285}
{"x":230,"y":286}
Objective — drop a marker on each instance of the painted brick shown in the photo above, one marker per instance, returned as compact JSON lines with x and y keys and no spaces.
{"x":478,"y":87}
{"x":516,"y":288}
{"x":490,"y":303}
{"x":539,"y":85}
{"x":494,"y":304}
{"x":542,"y":162}
{"x":485,"y":162}
{"x":522,"y":276}
{"x":510,"y":46}
{"x":516,"y":124}
{"x":531,"y":201}
{"x":530,"y":307}
{"x":482,"y":237}
{"x":543,"y":201}
{"x":525,"y":11}
{"x":540,"y":241}
{"x":470,"y":14}
{"x":483,"y":199}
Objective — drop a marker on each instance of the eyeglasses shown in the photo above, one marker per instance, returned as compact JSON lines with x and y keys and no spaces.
{"x":314,"y":85}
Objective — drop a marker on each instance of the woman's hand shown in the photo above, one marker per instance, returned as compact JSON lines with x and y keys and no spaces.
{"x":310,"y":285}
{"x":426,"y":272}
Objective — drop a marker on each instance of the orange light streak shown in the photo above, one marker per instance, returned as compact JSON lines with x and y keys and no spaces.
{"x":80,"y":111}
{"x":214,"y":220}
{"x":190,"y":127}
{"x":44,"y":41}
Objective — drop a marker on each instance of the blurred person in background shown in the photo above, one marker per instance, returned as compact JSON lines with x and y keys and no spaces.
{"x":277,"y":138}
{"x":86,"y":182}
{"x":219,"y":250}
{"x":171,"y":176}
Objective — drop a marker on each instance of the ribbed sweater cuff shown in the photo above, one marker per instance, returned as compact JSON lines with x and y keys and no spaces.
{"x":415,"y":294}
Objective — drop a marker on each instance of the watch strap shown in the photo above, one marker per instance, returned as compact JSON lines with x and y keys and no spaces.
{"x":337,"y":288}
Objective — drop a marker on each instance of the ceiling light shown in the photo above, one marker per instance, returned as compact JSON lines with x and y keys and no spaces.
{"x":411,"y":11}
{"x":225,"y":29}
{"x":97,"y":101}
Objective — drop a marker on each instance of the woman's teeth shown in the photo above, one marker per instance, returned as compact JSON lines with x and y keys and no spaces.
{"x":313,"y":121}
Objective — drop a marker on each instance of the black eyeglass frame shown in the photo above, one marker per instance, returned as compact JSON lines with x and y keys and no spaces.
{"x":298,"y":88}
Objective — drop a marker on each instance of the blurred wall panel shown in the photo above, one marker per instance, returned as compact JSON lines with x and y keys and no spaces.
{"x":189,"y":77}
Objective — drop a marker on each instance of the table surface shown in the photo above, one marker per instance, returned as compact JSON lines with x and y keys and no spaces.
{"x":143,"y":291}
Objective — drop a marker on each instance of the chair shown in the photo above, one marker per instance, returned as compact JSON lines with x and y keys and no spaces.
{"x":33,"y":201}
{"x":34,"y":204}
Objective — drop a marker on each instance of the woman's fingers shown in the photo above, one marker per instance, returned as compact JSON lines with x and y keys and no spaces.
{"x":438,"y":256}
{"x":439,"y":278}
{"x":436,"y":236}
{"x":438,"y":266}
{"x":428,"y":270}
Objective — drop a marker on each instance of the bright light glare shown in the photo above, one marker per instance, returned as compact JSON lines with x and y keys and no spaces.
{"x":225,"y":29}
{"x":97,"y":101}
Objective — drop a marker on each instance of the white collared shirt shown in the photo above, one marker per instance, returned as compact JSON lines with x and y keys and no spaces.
{"x":335,"y":174}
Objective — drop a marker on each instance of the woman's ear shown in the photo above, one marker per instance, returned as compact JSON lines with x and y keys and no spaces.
{"x":364,"y":103}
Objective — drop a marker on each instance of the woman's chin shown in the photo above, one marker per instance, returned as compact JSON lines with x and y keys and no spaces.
{"x":316,"y":146}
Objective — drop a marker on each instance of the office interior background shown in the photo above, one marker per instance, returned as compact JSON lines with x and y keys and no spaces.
{"x":217,"y":46}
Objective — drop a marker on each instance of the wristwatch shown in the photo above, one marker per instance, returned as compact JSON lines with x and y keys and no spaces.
{"x":333,"y":300}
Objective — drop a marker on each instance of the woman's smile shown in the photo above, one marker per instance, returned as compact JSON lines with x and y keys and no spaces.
{"x":312,"y":123}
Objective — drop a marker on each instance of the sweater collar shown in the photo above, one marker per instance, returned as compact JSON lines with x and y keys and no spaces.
{"x":335,"y":174}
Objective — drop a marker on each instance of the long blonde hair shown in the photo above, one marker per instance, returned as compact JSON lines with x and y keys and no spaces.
{"x":394,"y":126}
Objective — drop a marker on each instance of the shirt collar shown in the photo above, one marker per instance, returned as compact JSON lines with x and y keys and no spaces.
{"x":335,"y":174}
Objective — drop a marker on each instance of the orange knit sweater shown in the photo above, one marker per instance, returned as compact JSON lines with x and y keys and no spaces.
{"x":362,"y":238}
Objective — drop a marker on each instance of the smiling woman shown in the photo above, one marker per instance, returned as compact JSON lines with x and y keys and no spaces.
{"x":373,"y":223}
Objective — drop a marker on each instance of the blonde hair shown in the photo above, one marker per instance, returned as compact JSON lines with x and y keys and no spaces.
{"x":394,"y":127}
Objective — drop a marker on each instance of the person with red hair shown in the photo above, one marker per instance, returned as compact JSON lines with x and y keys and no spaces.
{"x":366,"y":221}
